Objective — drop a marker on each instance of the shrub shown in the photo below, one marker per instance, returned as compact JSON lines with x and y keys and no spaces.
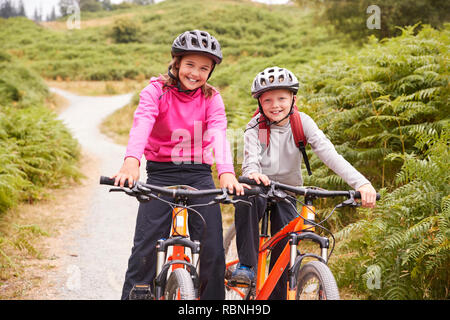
{"x":36,"y":150}
{"x":407,"y":236}
{"x":125,"y":30}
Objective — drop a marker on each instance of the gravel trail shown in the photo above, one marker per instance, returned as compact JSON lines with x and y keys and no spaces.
{"x":98,"y":247}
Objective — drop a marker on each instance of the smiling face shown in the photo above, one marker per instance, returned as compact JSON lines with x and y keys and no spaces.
{"x":276,"y":105}
{"x":194,"y":70}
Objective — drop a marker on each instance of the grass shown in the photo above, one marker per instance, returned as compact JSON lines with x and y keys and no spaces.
{"x":31,"y":239}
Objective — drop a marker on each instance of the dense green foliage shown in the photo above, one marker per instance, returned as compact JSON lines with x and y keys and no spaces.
{"x":407,"y":236}
{"x":36,"y":150}
{"x":353,"y":16}
{"x":386,"y":110}
{"x":369,"y":104}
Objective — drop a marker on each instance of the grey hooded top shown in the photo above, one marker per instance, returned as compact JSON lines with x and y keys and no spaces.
{"x":281,"y":160}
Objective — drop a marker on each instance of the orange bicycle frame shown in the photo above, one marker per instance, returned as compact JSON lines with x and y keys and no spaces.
{"x":179,"y":228}
{"x":265,"y":285}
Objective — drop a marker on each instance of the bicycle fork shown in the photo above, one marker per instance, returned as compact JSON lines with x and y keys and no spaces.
{"x":179,"y":241}
{"x":296,"y":259}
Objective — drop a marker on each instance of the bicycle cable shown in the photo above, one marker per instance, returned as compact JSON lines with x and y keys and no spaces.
{"x":319,"y":224}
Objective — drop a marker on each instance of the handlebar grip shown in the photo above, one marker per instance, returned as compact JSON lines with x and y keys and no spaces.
{"x":107,"y":180}
{"x":253,"y":191}
{"x":247,"y":181}
{"x":358,"y":195}
{"x":110,"y":181}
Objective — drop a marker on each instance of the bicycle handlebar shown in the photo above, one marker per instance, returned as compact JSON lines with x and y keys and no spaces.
{"x":175,"y":192}
{"x":305,"y":191}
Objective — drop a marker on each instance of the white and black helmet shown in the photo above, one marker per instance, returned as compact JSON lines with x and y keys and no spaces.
{"x":274,"y":78}
{"x":197,"y":41}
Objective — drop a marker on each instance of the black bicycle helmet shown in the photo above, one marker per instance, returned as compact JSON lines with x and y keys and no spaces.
{"x":197,"y":41}
{"x":274,"y":78}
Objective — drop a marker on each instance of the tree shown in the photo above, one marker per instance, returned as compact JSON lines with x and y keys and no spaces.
{"x":106,"y":4}
{"x":65,"y":5}
{"x":8,"y":10}
{"x":143,"y":2}
{"x":37,"y":14}
{"x":21,"y":9}
{"x":52,"y":15}
{"x":90,"y":5}
{"x":351,"y":16}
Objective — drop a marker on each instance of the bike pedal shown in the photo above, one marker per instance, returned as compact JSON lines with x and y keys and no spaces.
{"x":238,"y":284}
{"x":141,"y":292}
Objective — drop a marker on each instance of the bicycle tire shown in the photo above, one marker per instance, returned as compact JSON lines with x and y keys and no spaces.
{"x":325,"y":287}
{"x":228,"y":238}
{"x":179,"y":286}
{"x":230,"y":255}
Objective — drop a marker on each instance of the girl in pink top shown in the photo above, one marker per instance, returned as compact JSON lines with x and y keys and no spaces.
{"x":179,"y":123}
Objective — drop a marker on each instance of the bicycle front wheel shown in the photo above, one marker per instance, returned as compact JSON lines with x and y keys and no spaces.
{"x":316,"y":282}
{"x":179,"y":286}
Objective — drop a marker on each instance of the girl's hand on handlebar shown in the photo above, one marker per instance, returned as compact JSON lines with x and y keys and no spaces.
{"x":259,"y":177}
{"x":129,"y":170}
{"x":229,"y":181}
{"x":368,"y":195}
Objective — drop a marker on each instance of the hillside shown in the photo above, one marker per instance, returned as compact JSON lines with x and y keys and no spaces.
{"x":252,"y":36}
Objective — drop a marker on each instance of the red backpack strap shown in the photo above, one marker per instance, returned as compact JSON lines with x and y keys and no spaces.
{"x":297,"y":128}
{"x":299,"y":136}
{"x":264,"y":129}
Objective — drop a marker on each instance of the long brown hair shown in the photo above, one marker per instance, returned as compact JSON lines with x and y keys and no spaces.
{"x":207,"y":89}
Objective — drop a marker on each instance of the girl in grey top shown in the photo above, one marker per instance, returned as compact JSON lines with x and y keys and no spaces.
{"x":275,"y":88}
{"x":281,"y":160}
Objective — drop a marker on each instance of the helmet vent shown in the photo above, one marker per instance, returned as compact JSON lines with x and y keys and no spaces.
{"x":197,"y":41}
{"x":274,"y":78}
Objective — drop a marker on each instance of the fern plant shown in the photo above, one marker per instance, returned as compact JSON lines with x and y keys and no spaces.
{"x":408,"y":235}
{"x":370,"y":103}
{"x":36,"y":150}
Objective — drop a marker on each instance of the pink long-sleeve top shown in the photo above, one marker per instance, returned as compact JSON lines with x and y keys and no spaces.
{"x":173,"y":126}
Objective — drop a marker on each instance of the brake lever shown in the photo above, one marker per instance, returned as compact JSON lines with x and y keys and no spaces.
{"x":350,"y":202}
{"x":225,"y":199}
{"x":133,"y":192}
{"x":278,"y":195}
{"x":248,"y":203}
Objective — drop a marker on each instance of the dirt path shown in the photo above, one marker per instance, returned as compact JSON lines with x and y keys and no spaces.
{"x":91,"y":255}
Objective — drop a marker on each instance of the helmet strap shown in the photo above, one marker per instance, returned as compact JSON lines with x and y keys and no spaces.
{"x":178,"y":84}
{"x":268,"y":122}
{"x":169,"y":72}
